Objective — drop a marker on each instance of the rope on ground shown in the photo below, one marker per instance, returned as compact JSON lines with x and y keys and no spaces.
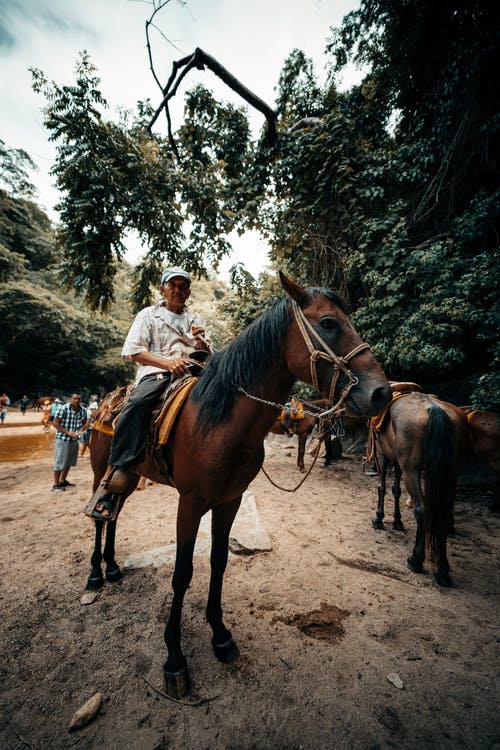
{"x":321,"y":437}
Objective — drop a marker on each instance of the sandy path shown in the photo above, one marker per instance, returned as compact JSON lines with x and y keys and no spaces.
{"x":328,"y":575}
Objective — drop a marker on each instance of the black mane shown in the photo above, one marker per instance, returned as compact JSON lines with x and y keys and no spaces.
{"x":247,"y":361}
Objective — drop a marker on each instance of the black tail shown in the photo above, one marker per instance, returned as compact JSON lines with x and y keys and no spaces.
{"x":439,"y":479}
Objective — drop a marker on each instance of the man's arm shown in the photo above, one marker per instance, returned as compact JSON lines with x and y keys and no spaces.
{"x":57,"y":424}
{"x":175,"y":366}
{"x":198,"y":333}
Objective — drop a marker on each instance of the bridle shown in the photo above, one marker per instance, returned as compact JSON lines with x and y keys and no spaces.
{"x":339,"y":363}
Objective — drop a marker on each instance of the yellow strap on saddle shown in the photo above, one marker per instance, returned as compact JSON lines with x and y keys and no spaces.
{"x":171,"y":408}
{"x":298,"y":413}
{"x":404,"y":387}
{"x":295,"y":410}
{"x":377,"y":423}
{"x":470,"y":414}
{"x":107,"y":429}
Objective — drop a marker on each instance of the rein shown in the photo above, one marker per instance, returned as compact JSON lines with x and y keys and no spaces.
{"x":339,"y":363}
{"x":321,"y":437}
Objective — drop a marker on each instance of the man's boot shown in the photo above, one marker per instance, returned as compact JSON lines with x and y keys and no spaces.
{"x":116,"y":482}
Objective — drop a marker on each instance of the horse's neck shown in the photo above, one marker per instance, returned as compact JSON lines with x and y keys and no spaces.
{"x":259,"y":413}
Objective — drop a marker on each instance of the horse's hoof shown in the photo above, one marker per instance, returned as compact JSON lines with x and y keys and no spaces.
{"x":113,"y":575}
{"x":443,"y":579}
{"x":226,"y":652}
{"x":415,"y":565}
{"x":176,"y":683}
{"x":398,"y":526}
{"x":377,"y":523}
{"x":94,"y":583}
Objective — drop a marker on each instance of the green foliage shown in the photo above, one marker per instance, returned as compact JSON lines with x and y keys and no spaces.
{"x":115,"y":178}
{"x":14,"y":166}
{"x":248,"y":298}
{"x":391,"y":197}
{"x":24,"y":231}
{"x":60,"y":347}
{"x":48,"y":343}
{"x":111,"y":180}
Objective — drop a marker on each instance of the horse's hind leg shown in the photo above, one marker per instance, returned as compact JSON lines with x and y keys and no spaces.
{"x":397,"y":523}
{"x":222,"y":519}
{"x":378,"y":521}
{"x":442,"y":573}
{"x":416,"y":560}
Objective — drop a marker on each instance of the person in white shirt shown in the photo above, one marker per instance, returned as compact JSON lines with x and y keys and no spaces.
{"x":160,"y":341}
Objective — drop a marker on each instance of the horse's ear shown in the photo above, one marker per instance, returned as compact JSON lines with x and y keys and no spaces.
{"x":293,"y":290}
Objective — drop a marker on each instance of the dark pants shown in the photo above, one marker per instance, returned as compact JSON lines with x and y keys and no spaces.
{"x":129,"y":440}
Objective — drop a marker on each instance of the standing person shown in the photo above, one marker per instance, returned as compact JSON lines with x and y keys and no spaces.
{"x":4,"y":403}
{"x":94,"y":403}
{"x":54,"y":407}
{"x":23,"y":404}
{"x":160,"y":342}
{"x":70,"y":422}
{"x":46,"y":409}
{"x":91,"y":412}
{"x":84,"y":438}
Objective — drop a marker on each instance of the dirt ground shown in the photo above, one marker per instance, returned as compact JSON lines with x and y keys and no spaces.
{"x":321,"y":620}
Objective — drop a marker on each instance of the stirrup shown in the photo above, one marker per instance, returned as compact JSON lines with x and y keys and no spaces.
{"x":102,"y":489}
{"x":110,"y":502}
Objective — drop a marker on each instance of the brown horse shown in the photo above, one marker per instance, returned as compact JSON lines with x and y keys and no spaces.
{"x":304,"y":427}
{"x":424,"y":438}
{"x":484,"y":433}
{"x":217,"y":445}
{"x":100,"y":447}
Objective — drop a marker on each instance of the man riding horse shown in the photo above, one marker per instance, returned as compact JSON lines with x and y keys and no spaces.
{"x":161,"y":341}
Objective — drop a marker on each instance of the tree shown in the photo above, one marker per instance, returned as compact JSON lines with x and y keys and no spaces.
{"x":15,"y":165}
{"x":114,"y":177}
{"x":388,"y":191}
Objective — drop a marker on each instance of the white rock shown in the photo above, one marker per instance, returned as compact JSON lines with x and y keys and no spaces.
{"x":395,"y":680}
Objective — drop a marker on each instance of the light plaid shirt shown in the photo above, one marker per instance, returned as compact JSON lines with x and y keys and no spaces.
{"x":71,"y":420}
{"x":160,"y":331}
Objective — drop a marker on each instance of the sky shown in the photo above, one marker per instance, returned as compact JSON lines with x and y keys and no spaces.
{"x":251,"y":38}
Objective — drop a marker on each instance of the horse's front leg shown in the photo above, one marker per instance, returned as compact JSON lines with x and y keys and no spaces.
{"x":175,"y":668}
{"x":96,"y":579}
{"x":381,"y":461}
{"x":222,"y":519}
{"x":113,"y":572}
{"x":397,"y":523}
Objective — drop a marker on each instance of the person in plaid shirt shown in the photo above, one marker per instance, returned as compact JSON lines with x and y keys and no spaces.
{"x":70,"y":421}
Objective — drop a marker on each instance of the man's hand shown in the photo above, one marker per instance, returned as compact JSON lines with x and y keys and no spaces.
{"x":177,"y":366}
{"x":198,"y":333}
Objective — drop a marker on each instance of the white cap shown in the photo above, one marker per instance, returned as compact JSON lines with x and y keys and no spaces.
{"x":169,"y":273}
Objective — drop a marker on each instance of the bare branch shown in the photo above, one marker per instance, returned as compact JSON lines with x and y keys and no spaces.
{"x":200,"y":60}
{"x":149,"y":23}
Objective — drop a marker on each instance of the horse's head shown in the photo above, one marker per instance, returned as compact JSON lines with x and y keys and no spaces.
{"x":325,"y":349}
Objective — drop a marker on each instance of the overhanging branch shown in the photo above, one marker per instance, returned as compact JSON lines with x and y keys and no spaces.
{"x":200,"y":59}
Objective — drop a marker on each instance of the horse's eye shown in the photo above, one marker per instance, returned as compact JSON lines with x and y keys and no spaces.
{"x":329,"y":324}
